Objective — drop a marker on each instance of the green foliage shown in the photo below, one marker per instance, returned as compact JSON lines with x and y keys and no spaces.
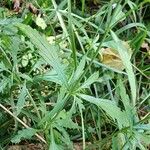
{"x":54,"y":85}
{"x":23,"y":134}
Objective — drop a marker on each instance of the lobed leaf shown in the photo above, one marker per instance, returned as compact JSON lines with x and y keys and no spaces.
{"x":48,"y":52}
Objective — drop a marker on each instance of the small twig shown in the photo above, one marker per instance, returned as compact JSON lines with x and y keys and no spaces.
{"x":9,"y":112}
{"x":33,"y":9}
{"x":17,"y":4}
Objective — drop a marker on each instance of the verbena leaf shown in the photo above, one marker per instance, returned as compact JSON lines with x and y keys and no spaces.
{"x":3,"y":84}
{"x":126,"y":102}
{"x":142,"y":137}
{"x":9,"y":21}
{"x":128,"y":66}
{"x":109,"y":107}
{"x":64,"y":120}
{"x":142,"y":127}
{"x":21,"y":100}
{"x":93,"y":78}
{"x":3,"y":67}
{"x":128,"y":26}
{"x":53,"y":145}
{"x":23,"y":134}
{"x":57,"y":108}
{"x":47,"y":51}
{"x":117,"y":16}
{"x":64,"y":136}
{"x":79,"y":103}
{"x":79,"y":69}
{"x":49,"y":76}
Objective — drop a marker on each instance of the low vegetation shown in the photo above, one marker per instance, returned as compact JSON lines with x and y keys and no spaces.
{"x":75,"y":74}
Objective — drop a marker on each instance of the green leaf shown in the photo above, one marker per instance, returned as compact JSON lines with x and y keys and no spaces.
{"x":3,"y":84}
{"x":79,"y":103}
{"x":23,"y":134}
{"x":64,"y":136}
{"x":53,"y":145}
{"x":57,"y":108}
{"x":9,"y":21}
{"x":115,"y":143}
{"x":109,"y":107}
{"x":142,"y":137}
{"x":3,"y":67}
{"x":129,"y":26}
{"x":126,"y":102}
{"x":118,"y":15}
{"x":123,"y":52}
{"x":64,"y":120}
{"x":93,"y":78}
{"x":79,"y":69}
{"x":21,"y":100}
{"x":138,"y":40}
{"x":49,"y":76}
{"x":142,"y":127}
{"x":48,"y":52}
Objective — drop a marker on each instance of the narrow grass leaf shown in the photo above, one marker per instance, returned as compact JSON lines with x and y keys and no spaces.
{"x":129,"y":26}
{"x":118,"y":15}
{"x":71,"y":35}
{"x":128,"y":66}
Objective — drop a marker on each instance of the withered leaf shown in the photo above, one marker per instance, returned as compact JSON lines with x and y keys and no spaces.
{"x":111,"y":57}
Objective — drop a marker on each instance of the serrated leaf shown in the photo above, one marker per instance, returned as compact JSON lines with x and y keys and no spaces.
{"x":64,"y":136}
{"x":49,"y":76}
{"x":3,"y":67}
{"x":142,"y":127}
{"x":21,"y":100}
{"x":103,"y":103}
{"x":3,"y":84}
{"x":23,"y":134}
{"x":79,"y":103}
{"x":128,"y":66}
{"x":53,"y":145}
{"x":25,"y":76}
{"x":47,"y":51}
{"x":79,"y":69}
{"x":109,"y":107}
{"x":126,"y":102}
{"x":118,"y":15}
{"x":93,"y":78}
{"x":64,"y":120}
{"x":143,"y":137}
{"x":8,"y":21}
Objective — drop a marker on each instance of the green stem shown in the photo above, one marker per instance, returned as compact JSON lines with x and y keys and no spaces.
{"x":71,"y":35}
{"x":36,"y":109}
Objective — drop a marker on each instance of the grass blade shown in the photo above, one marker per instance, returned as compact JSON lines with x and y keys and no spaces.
{"x":128,"y":66}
